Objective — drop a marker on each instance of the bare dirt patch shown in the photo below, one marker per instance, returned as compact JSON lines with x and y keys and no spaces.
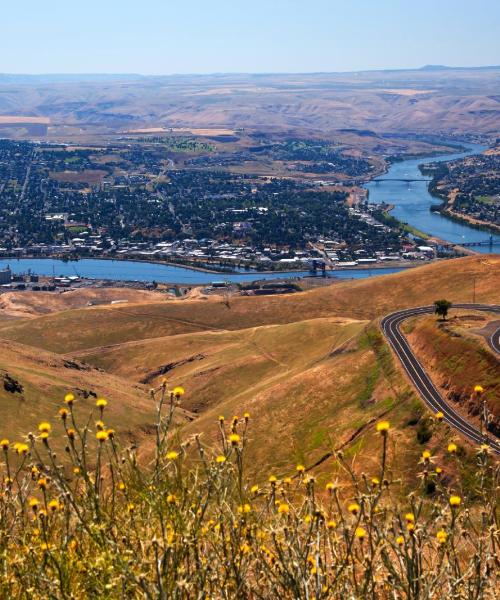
{"x":91,"y":176}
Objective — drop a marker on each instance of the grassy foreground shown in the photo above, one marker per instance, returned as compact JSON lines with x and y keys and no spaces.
{"x":98,"y":524}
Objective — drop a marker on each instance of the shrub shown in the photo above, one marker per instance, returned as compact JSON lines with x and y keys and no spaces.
{"x":189,"y":525}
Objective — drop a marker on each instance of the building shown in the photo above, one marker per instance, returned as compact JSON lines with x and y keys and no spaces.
{"x":5,"y":276}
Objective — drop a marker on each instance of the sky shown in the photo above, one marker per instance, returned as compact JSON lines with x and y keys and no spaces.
{"x":209,"y":36}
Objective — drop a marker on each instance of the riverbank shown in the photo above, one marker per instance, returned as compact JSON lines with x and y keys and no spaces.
{"x":278,"y":272}
{"x":142,"y":271}
{"x":412,"y":202}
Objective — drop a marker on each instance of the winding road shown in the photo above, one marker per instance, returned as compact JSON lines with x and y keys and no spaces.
{"x":391,"y":328}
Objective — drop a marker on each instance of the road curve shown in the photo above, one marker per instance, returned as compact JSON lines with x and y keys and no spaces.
{"x":391,"y":328}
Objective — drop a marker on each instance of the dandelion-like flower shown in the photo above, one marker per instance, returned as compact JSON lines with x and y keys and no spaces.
{"x":360,"y":533}
{"x":383,"y":427}
{"x":220,"y":459}
{"x":300,"y":468}
{"x":478,"y":389}
{"x":455,"y":501}
{"x":439,"y":416}
{"x":101,"y":435}
{"x":441,"y":536}
{"x":353,"y":508}
{"x":53,"y":505}
{"x":172,"y":455}
{"x":4,"y":444}
{"x":452,"y":448}
{"x":178,"y":391}
{"x":21,"y":448}
{"x":283,"y":509}
{"x":44,"y":427}
{"x":426,"y":456}
{"x":101,"y":403}
{"x":69,"y":399}
{"x":234,"y":438}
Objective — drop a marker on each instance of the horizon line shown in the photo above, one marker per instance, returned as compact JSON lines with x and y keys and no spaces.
{"x":429,"y":67}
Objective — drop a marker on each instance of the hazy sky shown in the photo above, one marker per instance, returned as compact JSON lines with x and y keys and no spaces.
{"x":205,"y":36}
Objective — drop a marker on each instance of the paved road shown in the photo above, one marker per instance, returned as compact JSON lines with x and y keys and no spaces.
{"x":391,"y":328}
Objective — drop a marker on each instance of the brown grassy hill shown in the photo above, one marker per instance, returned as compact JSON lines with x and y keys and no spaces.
{"x":218,"y":365}
{"x":310,"y":370}
{"x":33,"y":384}
{"x":75,"y":330}
{"x":457,"y":359}
{"x":32,"y":304}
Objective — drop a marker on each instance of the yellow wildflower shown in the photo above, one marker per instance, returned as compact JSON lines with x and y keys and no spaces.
{"x":102,"y":435}
{"x":283,"y":509}
{"x":360,"y":533}
{"x":220,"y":459}
{"x":439,"y":416}
{"x":478,"y":389}
{"x":172,"y":455}
{"x":234,"y":438}
{"x":400,"y":540}
{"x":452,"y":448}
{"x":455,"y":501}
{"x":4,"y":444}
{"x":300,"y":468}
{"x":101,"y":403}
{"x":178,"y":391}
{"x":21,"y":448}
{"x":69,"y":399}
{"x":353,"y":508}
{"x":383,"y":427}
{"x":441,"y":536}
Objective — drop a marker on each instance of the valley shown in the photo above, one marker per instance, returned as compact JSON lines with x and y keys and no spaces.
{"x":312,"y":368}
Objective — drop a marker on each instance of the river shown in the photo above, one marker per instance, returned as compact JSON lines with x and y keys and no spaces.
{"x":412,"y":201}
{"x":129,"y":270}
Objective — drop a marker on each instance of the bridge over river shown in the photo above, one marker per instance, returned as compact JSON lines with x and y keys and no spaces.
{"x":399,"y":179}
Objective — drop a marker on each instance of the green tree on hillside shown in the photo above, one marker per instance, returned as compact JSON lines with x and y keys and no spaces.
{"x":442,"y":308}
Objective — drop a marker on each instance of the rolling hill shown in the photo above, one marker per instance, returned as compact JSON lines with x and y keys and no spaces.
{"x":311,"y":368}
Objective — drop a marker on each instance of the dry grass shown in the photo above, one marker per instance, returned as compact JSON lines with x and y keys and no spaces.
{"x":455,"y":358}
{"x":44,"y":377}
{"x":361,"y":299}
{"x":193,"y":525}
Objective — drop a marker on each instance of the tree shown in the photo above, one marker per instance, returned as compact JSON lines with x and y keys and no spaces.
{"x":442,"y":308}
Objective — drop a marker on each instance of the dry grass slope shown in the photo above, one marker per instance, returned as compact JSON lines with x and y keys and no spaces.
{"x":363,"y":299}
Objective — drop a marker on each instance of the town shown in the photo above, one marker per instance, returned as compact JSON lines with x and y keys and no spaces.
{"x":130,"y":201}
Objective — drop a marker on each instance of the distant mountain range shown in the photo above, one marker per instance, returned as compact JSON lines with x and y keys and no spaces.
{"x":97,"y":77}
{"x":434,"y":98}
